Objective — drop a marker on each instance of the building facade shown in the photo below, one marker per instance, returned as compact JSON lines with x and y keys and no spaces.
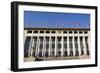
{"x":47,"y":43}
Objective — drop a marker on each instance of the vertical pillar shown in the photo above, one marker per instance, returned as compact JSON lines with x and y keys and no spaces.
{"x":25,"y":32}
{"x":68,"y":45}
{"x":30,"y":47}
{"x":73,"y":42}
{"x":24,"y":38}
{"x":88,"y":41}
{"x":84,"y":43}
{"x":62,"y":47}
{"x":55,"y":45}
{"x":44,"y":46}
{"x":37,"y":45}
{"x":79,"y":48}
{"x":49,"y":45}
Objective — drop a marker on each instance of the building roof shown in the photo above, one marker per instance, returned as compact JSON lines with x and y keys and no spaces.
{"x":54,"y":20}
{"x":58,"y":26}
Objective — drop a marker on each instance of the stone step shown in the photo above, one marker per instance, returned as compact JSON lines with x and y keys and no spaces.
{"x":29,"y":59}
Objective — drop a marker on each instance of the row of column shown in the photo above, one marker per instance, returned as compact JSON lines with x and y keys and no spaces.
{"x":34,"y":46}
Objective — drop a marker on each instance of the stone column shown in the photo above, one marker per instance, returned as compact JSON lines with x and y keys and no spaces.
{"x":73,"y":42}
{"x":44,"y":46}
{"x":49,"y":45}
{"x":24,"y":38}
{"x":88,"y":41}
{"x":55,"y":45}
{"x":30,"y":47}
{"x":37,"y":45}
{"x":68,"y":45}
{"x":84,"y":43}
{"x":79,"y":48}
{"x":62,"y":47}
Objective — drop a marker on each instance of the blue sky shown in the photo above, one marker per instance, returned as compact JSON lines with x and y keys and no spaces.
{"x":35,"y":19}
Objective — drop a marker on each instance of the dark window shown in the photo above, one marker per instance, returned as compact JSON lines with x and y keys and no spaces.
{"x":35,"y":31}
{"x":71,"y":53}
{"x":34,"y":46}
{"x":41,"y":31}
{"x":70,"y":31}
{"x":65,"y":46}
{"x":40,"y":54}
{"x":29,"y":31}
{"x":75,"y":31}
{"x":47,"y":31}
{"x":33,"y":54}
{"x":46,"y":54}
{"x":53,"y":46}
{"x":80,"y":32}
{"x":65,"y":53}
{"x":64,"y":31}
{"x":65,"y":43}
{"x":53,"y":42}
{"x":41,"y":46}
{"x":59,"y":46}
{"x":85,"y":32}
{"x":47,"y":42}
{"x":81,"y":45}
{"x":59,"y":53}
{"x":70,"y":46}
{"x":70,"y":43}
{"x":59,"y":39}
{"x":53,"y":32}
{"x":47,"y":46}
{"x":35,"y":42}
{"x":87,"y":45}
{"x":53,"y":53}
{"x":41,"y":43}
{"x":26,"y":46}
{"x":76,"y":46}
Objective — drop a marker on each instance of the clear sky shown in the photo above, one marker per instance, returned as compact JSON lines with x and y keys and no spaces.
{"x":35,"y":19}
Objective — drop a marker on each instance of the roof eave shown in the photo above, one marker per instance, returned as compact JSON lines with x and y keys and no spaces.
{"x":56,"y":28}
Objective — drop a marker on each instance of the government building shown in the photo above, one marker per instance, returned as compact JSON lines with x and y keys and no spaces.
{"x":51,"y":43}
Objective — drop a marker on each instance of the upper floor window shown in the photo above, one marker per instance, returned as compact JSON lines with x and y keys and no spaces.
{"x":80,"y":32}
{"x":75,"y":31}
{"x":29,"y":31}
{"x":35,"y":31}
{"x":47,"y":31}
{"x":53,"y":31}
{"x":85,"y":31}
{"x":70,"y":31}
{"x":41,"y":31}
{"x":64,"y":31}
